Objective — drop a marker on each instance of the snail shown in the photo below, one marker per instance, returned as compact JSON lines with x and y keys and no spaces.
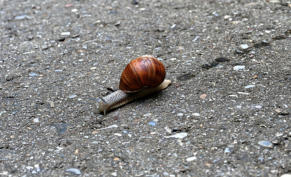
{"x":141,"y":77}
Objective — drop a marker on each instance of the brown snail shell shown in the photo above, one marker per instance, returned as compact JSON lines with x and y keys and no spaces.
{"x":141,"y":73}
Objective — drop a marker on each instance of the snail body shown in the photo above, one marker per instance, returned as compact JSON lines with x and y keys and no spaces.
{"x":141,"y":77}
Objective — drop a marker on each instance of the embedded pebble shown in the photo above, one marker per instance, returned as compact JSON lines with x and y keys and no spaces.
{"x":196,"y":114}
{"x":22,"y":17}
{"x":73,"y":96}
{"x":244,"y":46}
{"x":74,"y":171}
{"x":196,"y":38}
{"x":36,"y":120}
{"x":111,"y":126}
{"x":74,"y":10}
{"x":33,"y":74}
{"x":189,"y":159}
{"x":66,"y":33}
{"x":249,"y":86}
{"x":257,"y":106}
{"x":152,"y":123}
{"x":168,"y":130}
{"x":147,"y":114}
{"x":227,"y":150}
{"x":114,"y":173}
{"x":117,"y":134}
{"x":239,"y":67}
{"x":286,"y":175}
{"x":266,"y":144}
{"x":2,"y":112}
{"x":178,"y":135}
{"x":203,"y":96}
{"x":36,"y":169}
{"x":180,"y":114}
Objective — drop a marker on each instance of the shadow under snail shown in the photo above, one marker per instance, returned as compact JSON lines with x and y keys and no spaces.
{"x":141,"y":77}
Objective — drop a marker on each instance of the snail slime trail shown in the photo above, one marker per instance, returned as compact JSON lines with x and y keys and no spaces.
{"x":143,"y":76}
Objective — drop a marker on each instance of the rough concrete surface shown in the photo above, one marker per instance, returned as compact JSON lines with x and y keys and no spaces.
{"x":227,"y":112}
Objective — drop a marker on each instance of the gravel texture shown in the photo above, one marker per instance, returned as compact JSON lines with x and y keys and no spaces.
{"x":227,"y":112}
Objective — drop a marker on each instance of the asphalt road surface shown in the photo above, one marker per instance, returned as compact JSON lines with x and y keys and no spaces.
{"x":227,"y":112}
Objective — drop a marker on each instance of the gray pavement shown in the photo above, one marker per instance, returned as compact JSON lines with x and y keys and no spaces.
{"x":227,"y":112}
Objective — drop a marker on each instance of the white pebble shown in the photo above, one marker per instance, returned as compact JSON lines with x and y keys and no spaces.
{"x":74,"y":171}
{"x":114,"y":174}
{"x":178,"y":135}
{"x":73,"y":96}
{"x":286,"y":175}
{"x":147,"y":114}
{"x":180,"y":114}
{"x":36,"y":120}
{"x":249,"y":86}
{"x":239,"y":67}
{"x":244,"y":46}
{"x":67,"y":33}
{"x":117,"y":134}
{"x":189,"y":159}
{"x":74,"y":10}
{"x":196,"y":114}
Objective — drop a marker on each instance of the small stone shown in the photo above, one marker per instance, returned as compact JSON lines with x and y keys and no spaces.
{"x":68,"y":5}
{"x":239,"y":67}
{"x":116,"y":158}
{"x":196,"y":114}
{"x":203,"y":96}
{"x":52,"y":104}
{"x":36,"y":120}
{"x":117,"y":134}
{"x":114,"y":174}
{"x":243,"y":93}
{"x":152,"y":123}
{"x":180,"y":114}
{"x":22,"y":17}
{"x":33,"y":74}
{"x":288,"y":147}
{"x":178,"y":135}
{"x":74,"y":10}
{"x":195,"y":38}
{"x":257,"y":106}
{"x":74,"y":171}
{"x":276,"y":141}
{"x":189,"y":159}
{"x":73,"y":96}
{"x":44,"y":47}
{"x":67,"y":33}
{"x":274,"y":1}
{"x":36,"y":169}
{"x":266,"y":144}
{"x":249,"y":86}
{"x":93,"y":68}
{"x":168,"y":130}
{"x":281,"y":112}
{"x":227,"y":150}
{"x":147,"y":114}
{"x":58,"y":70}
{"x":244,"y":46}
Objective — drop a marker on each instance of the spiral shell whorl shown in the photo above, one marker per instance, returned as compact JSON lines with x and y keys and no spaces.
{"x":142,"y":72}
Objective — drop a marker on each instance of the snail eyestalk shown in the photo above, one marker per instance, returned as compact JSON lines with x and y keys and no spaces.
{"x":120,"y":98}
